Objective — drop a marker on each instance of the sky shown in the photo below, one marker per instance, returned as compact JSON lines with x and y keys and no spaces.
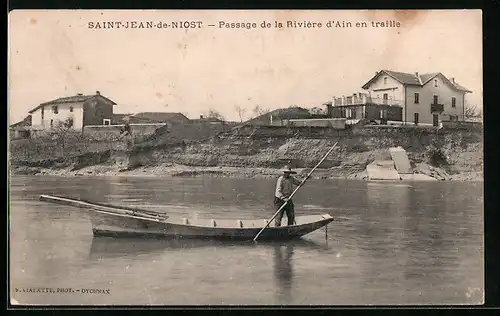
{"x":54,"y":54}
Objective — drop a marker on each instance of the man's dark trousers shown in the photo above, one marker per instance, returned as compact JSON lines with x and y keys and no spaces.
{"x":288,"y":208}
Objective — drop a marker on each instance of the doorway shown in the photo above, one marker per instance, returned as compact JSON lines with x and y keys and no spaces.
{"x":415,"y":118}
{"x":435,"y":120}
{"x":386,"y":97}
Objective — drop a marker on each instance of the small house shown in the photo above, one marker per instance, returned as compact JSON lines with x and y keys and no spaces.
{"x":81,"y":110}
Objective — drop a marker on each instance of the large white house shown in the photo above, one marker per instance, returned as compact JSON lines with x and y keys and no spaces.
{"x":80,"y":109}
{"x":411,"y":98}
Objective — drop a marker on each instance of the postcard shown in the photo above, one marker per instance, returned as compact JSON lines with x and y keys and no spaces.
{"x":231,"y":157}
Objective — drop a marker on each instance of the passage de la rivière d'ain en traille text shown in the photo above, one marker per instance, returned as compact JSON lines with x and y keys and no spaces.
{"x":239,"y":25}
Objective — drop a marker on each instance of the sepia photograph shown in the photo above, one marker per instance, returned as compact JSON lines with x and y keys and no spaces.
{"x":245,"y":157}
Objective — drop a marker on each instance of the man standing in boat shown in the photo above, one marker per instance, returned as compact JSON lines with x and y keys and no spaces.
{"x":284,"y":188}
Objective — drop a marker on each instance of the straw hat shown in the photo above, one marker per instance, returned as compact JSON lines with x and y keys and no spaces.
{"x":288,"y":169}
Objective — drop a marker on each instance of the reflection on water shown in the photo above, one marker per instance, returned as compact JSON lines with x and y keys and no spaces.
{"x":416,"y":243}
{"x":111,"y":248}
{"x":284,"y":272}
{"x":106,"y":247}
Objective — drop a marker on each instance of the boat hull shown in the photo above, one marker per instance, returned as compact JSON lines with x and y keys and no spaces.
{"x":104,"y":225}
{"x":119,"y":221}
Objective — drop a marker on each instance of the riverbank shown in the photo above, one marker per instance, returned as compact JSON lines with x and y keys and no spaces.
{"x":168,"y":170}
{"x":259,"y":152}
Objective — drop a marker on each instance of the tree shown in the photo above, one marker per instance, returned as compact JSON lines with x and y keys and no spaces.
{"x":471,"y":111}
{"x":215,"y":114}
{"x":241,"y":112}
{"x":317,"y":111}
{"x":60,"y":131}
{"x":258,"y":111}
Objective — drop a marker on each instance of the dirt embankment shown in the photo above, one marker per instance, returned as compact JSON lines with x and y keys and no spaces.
{"x":260,"y":151}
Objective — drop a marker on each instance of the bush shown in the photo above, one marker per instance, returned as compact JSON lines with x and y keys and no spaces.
{"x":437,"y":157}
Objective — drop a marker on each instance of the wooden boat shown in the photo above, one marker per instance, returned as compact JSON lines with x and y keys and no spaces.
{"x":120,"y":221}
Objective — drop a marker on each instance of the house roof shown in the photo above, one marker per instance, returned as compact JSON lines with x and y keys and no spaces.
{"x":284,"y":114}
{"x":413,"y":79}
{"x":207,"y":119}
{"x":160,"y":116}
{"x":405,"y":78}
{"x":119,"y":117}
{"x":460,"y":87}
{"x":72,"y":99}
{"x":25,"y":122}
{"x":291,"y":113}
{"x":428,"y":77}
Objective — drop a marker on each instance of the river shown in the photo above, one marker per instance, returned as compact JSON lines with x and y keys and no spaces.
{"x":391,"y":244}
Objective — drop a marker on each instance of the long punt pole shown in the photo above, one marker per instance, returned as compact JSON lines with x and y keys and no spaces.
{"x":296,"y":189}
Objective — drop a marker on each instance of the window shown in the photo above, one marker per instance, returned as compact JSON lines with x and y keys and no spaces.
{"x":350,"y":113}
{"x":106,"y":122}
{"x":435,"y":99}
{"x":385,"y":80}
{"x":71,"y":109}
{"x":453,"y":102}
{"x":55,"y":110}
{"x":435,"y":120}
{"x":383,"y":114}
{"x":417,"y":98}
{"x":435,"y":83}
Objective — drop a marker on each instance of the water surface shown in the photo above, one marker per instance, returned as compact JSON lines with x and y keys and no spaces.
{"x":391,"y":243}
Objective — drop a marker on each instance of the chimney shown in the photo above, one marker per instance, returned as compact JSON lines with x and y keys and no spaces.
{"x":416,"y":74}
{"x":98,"y":92}
{"x":452,"y":80}
{"x":201,"y":116}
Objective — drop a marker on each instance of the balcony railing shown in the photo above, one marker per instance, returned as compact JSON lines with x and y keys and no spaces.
{"x":437,"y":107}
{"x":363,"y":99}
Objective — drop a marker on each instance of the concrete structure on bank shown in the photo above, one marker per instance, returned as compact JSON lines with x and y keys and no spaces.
{"x":401,"y":161}
{"x":382,"y":170}
{"x":398,"y":168}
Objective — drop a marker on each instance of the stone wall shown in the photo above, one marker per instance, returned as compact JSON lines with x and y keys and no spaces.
{"x":335,"y":123}
{"x":105,"y":132}
{"x":285,"y":132}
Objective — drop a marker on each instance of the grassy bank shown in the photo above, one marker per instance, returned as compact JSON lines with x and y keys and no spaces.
{"x":259,"y":151}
